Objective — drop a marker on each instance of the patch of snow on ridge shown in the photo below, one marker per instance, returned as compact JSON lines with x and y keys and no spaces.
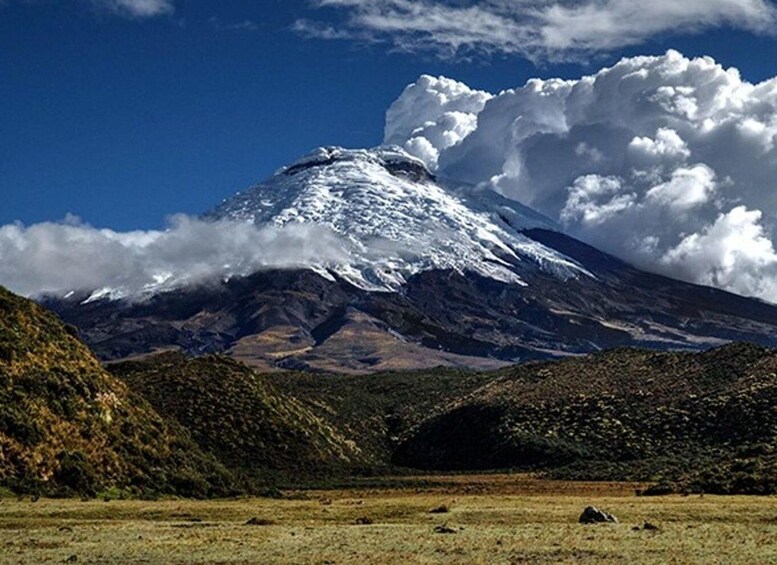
{"x":396,"y":220}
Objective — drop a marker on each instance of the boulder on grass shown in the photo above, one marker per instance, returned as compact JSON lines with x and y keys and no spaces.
{"x":592,"y":515}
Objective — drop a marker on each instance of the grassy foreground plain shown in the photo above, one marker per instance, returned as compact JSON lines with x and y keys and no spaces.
{"x":491,"y":519}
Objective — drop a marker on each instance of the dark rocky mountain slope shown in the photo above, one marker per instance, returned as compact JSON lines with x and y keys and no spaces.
{"x":429,"y":273}
{"x":300,"y":320}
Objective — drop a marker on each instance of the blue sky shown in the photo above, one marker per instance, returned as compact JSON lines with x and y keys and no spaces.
{"x":123,"y":120}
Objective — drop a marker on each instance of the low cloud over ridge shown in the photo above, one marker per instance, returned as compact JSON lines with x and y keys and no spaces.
{"x":68,"y":256}
{"x":667,"y":162}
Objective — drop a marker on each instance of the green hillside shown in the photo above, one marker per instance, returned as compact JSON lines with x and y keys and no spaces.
{"x":704,"y":421}
{"x":68,"y":427}
{"x":211,"y":426}
{"x":239,"y":417}
{"x":701,"y":421}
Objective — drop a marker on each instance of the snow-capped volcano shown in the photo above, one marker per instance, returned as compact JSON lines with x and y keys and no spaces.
{"x":396,"y":220}
{"x":467,"y":278}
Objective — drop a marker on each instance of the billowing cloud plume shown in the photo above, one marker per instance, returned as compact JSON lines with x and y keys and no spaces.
{"x":61,"y":257}
{"x":543,"y":29}
{"x":733,"y":252}
{"x":667,"y":162}
{"x":432,"y":115}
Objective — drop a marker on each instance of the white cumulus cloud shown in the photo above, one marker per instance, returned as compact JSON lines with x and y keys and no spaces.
{"x":541,"y":29}
{"x":734,"y":252}
{"x":667,"y":162}
{"x":432,"y":115}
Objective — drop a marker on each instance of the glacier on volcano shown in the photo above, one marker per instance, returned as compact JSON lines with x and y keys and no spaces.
{"x":396,"y":220}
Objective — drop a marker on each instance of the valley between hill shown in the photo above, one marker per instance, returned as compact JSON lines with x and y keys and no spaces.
{"x":696,"y":422}
{"x":211,"y":426}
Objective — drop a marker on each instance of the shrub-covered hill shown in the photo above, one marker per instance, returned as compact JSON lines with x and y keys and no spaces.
{"x":238,"y":416}
{"x":376,"y":410}
{"x":212,"y":426}
{"x":69,"y":427}
{"x":706,"y":421}
{"x":293,"y":427}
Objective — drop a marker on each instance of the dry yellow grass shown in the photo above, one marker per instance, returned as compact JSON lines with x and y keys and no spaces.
{"x":496,"y":519}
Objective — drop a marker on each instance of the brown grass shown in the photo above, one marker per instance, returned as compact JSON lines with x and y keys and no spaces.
{"x":496,"y":519}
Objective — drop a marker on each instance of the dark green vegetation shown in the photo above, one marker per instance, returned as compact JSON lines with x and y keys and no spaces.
{"x":378,"y":410}
{"x":697,"y":421}
{"x":211,"y":426}
{"x":68,"y":427}
{"x":702,"y":422}
{"x":293,"y":428}
{"x":239,"y":417}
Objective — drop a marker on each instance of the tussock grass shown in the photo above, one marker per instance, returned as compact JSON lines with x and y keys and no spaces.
{"x":508,"y":519}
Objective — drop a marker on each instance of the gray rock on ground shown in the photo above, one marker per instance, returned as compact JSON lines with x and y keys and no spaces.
{"x":592,"y":515}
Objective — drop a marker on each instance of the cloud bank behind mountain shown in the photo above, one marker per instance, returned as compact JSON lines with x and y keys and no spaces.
{"x":667,"y":162}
